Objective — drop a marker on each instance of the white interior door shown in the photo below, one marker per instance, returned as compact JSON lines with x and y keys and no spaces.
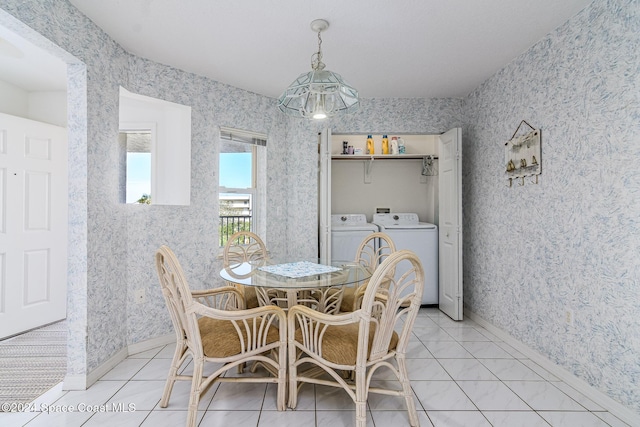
{"x":450,"y":226}
{"x":324,"y":197}
{"x":33,"y":224}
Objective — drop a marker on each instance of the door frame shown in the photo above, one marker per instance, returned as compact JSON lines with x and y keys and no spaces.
{"x":450,"y":287}
{"x":324,"y":208}
{"x":34,"y":224}
{"x":324,"y":196}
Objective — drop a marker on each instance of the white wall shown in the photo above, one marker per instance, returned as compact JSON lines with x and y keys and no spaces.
{"x":13,"y":100}
{"x":171,"y":169}
{"x":43,"y":106}
{"x":395,"y":182}
{"x":48,"y":106}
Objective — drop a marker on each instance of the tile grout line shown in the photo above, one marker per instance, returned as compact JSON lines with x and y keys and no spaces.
{"x":457,"y":337}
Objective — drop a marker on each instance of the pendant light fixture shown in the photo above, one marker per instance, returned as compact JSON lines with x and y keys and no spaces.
{"x":319,"y":93}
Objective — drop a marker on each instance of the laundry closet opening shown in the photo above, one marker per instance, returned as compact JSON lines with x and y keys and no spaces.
{"x":414,"y":192}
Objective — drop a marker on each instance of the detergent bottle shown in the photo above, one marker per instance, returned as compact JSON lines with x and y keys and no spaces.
{"x":401,"y":147}
{"x":394,"y":145}
{"x":385,"y":144}
{"x":370,"y":148}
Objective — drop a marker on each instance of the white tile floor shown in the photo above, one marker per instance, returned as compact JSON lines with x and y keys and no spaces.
{"x":461,"y":374}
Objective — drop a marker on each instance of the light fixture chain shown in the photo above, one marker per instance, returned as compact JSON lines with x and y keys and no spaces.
{"x":319,"y":93}
{"x":316,"y":58}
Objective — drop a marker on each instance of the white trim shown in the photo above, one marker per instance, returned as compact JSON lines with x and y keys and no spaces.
{"x":258,"y":189}
{"x":171,"y":151}
{"x":82,"y":382}
{"x":242,"y":132}
{"x":152,"y":128}
{"x":615,"y":408}
{"x":74,"y":382}
{"x":139,"y":347}
{"x":48,"y":397}
{"x":108,"y":365}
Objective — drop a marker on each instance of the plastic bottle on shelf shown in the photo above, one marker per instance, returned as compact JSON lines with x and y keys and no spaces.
{"x":401,"y":147}
{"x":370,"y":148}
{"x":385,"y":144}
{"x":394,"y":145}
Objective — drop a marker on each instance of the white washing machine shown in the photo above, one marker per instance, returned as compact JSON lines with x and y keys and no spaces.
{"x":347,"y":232}
{"x":407,"y":232}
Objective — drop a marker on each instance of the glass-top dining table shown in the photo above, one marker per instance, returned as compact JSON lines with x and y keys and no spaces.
{"x":318,"y":286}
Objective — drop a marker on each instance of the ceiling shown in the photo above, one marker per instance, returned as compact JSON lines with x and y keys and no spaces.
{"x":28,"y":67}
{"x":384,"y":48}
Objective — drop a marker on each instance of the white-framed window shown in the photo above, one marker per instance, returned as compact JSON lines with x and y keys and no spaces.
{"x":138,"y":141}
{"x":155,"y":141}
{"x":241,"y":182}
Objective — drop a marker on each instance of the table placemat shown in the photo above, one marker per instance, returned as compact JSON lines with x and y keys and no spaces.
{"x":299,"y":269}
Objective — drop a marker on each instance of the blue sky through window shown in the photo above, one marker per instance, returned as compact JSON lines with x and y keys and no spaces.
{"x":235,"y":170}
{"x":138,"y":176}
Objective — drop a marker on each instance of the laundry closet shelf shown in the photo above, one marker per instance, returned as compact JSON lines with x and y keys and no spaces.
{"x":381,"y":156}
{"x":370,"y":160}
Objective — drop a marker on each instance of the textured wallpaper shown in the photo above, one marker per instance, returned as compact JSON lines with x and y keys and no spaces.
{"x":96,"y":277}
{"x":530,"y":251}
{"x":572,"y":241}
{"x":191,"y":231}
{"x":112,"y":244}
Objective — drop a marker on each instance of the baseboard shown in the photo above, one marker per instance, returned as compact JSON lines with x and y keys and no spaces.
{"x":139,"y":347}
{"x":74,"y":382}
{"x":108,"y":365}
{"x":49,"y":396}
{"x":619,"y":410}
{"x":83,"y":382}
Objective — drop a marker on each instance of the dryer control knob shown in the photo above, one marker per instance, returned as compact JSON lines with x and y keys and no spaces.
{"x":343,"y":218}
{"x":396,"y":217}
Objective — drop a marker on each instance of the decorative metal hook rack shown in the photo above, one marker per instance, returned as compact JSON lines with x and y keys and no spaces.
{"x":523,"y":155}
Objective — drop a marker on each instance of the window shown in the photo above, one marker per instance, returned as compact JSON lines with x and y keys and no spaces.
{"x":138,"y":145}
{"x":155,"y":150}
{"x":241,"y":190}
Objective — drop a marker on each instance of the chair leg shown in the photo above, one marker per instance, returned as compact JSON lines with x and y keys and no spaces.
{"x":293,"y":378}
{"x":361,"y":414}
{"x":282,"y":378}
{"x":361,"y":397}
{"x":173,"y":372}
{"x":282,"y":393}
{"x":408,"y":393}
{"x":293,"y":390}
{"x":194,"y":397}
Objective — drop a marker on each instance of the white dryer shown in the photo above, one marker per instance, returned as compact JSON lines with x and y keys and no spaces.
{"x":407,"y":232}
{"x":347,"y":232}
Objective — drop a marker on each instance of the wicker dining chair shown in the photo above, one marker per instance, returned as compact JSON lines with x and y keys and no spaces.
{"x":212,"y":326}
{"x":373,"y":337}
{"x":245,"y":246}
{"x":373,"y":249}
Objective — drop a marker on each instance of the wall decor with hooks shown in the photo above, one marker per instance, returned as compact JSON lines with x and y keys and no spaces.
{"x":522,"y":155}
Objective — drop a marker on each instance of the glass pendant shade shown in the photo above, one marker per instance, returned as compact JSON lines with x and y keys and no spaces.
{"x":319,"y":93}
